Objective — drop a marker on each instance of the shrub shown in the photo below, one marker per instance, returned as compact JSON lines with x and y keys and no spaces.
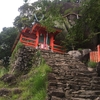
{"x":3,"y":71}
{"x":36,"y":85}
{"x":91,"y":64}
{"x":19,"y":45}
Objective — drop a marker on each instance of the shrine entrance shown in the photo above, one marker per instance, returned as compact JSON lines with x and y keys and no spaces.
{"x":44,"y":41}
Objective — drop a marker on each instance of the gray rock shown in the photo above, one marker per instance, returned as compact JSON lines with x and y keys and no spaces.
{"x":75,"y":54}
{"x":85,"y":51}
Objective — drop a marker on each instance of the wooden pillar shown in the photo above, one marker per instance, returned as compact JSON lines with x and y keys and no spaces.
{"x":37,"y":39}
{"x":44,"y":40}
{"x":98,"y":50}
{"x":20,"y":38}
{"x":52,"y":42}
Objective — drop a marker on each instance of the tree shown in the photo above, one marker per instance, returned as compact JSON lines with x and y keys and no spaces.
{"x":70,"y":41}
{"x":18,"y":23}
{"x":25,"y":1}
{"x":7,"y":38}
{"x":25,"y":17}
{"x":56,"y":17}
{"x":43,"y":11}
{"x":87,"y":27}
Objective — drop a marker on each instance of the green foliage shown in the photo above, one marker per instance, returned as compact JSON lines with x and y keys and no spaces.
{"x":45,"y":13}
{"x":92,"y":64}
{"x":7,"y":38}
{"x":35,"y":86}
{"x":3,"y":71}
{"x":38,"y":82}
{"x":22,"y":22}
{"x":41,"y":95}
{"x":14,"y":97}
{"x":18,"y":46}
{"x":67,"y":11}
{"x":17,"y":22}
{"x":52,"y":17}
{"x":70,"y":41}
{"x":88,"y":26}
{"x":26,"y":16}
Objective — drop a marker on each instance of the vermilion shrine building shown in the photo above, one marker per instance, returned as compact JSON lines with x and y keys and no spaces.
{"x":38,"y":37}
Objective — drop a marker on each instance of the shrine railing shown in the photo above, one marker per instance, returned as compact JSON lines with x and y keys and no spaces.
{"x":58,"y":48}
{"x":95,"y":55}
{"x":28,"y":41}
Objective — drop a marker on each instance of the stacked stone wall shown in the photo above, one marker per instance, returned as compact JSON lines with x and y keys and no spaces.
{"x":23,"y":60}
{"x":70,"y":79}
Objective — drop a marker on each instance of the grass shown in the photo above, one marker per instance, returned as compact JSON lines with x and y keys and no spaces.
{"x":5,"y":98}
{"x":3,"y":70}
{"x":13,"y":55}
{"x":41,"y":95}
{"x":92,"y":64}
{"x":19,"y":45}
{"x":36,"y":85}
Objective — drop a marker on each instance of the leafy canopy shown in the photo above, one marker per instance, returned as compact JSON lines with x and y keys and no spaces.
{"x":88,"y":26}
{"x":7,"y":38}
{"x":48,"y":13}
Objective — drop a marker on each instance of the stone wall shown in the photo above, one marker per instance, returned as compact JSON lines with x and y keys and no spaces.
{"x":23,"y":60}
{"x":70,"y":79}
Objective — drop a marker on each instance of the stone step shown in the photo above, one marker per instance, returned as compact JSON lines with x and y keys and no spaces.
{"x":70,"y":78}
{"x":58,"y":93}
{"x":56,"y":98}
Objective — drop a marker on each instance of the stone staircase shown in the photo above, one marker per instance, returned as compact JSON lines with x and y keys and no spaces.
{"x":70,"y":79}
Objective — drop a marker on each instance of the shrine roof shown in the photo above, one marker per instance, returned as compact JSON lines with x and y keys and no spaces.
{"x":39,"y":27}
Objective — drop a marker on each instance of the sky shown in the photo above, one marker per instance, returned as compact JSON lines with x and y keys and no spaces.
{"x":8,"y":11}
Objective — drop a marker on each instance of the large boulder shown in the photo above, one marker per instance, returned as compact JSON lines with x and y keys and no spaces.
{"x":85,"y":51}
{"x":9,"y":78}
{"x":82,"y":55}
{"x":75,"y":54}
{"x":85,"y":55}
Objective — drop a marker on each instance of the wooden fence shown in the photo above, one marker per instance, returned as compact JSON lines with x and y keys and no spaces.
{"x":95,"y":55}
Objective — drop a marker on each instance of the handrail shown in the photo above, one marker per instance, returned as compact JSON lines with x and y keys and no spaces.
{"x":28,"y":38}
{"x":29,"y":44}
{"x":55,"y":45}
{"x":28,"y":41}
{"x":58,"y":48}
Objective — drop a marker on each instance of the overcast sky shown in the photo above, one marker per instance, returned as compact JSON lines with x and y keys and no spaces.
{"x":8,"y":11}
